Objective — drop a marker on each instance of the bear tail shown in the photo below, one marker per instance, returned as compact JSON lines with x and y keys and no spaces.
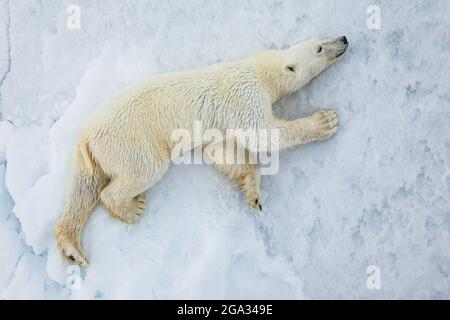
{"x":87,"y":182}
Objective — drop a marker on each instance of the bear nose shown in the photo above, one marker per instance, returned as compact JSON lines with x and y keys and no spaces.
{"x":344,"y":39}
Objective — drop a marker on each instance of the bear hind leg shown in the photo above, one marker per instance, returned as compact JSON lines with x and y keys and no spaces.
{"x":123,"y":196}
{"x":123,"y":200}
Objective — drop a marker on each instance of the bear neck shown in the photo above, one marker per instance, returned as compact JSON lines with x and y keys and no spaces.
{"x":269,"y":70}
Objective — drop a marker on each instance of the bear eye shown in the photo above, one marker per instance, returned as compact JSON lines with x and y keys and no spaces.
{"x":319,"y":50}
{"x":291,"y":68}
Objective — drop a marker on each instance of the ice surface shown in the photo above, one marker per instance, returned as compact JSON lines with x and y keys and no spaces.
{"x":376,"y":194}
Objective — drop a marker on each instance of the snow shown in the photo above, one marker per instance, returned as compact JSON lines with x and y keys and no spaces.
{"x":376,"y":194}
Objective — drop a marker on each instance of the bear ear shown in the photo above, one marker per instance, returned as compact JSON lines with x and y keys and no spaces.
{"x":289,"y":68}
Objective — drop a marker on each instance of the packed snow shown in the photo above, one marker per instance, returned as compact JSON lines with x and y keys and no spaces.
{"x":376,"y":195}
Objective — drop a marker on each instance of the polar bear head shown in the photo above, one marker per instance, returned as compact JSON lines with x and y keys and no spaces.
{"x":308,"y":59}
{"x":286,"y":71}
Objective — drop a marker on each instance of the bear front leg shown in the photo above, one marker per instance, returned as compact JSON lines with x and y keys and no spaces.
{"x":244,"y":173}
{"x":320,"y":125}
{"x":247,"y":178}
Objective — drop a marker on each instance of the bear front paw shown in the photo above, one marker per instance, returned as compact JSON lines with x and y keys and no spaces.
{"x":324,"y":124}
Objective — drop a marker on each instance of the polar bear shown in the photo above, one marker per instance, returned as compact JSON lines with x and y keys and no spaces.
{"x":125,"y":147}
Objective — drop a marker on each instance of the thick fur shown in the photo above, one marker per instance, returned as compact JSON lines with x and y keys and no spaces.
{"x":125,"y":147}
